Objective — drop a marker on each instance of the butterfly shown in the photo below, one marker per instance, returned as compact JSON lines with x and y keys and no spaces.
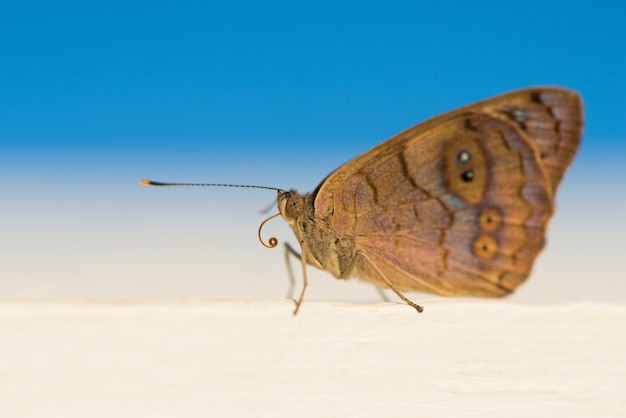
{"x":456,"y":205}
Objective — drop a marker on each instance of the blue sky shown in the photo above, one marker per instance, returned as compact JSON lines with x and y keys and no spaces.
{"x":97,"y":95}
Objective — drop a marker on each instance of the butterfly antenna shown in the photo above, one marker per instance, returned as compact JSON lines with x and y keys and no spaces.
{"x":271,"y":243}
{"x":160,"y":183}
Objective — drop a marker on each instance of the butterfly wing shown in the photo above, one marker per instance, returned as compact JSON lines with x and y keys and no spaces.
{"x":552,"y":121}
{"x":460,"y":203}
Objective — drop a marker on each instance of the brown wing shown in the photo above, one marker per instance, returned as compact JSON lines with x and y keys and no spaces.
{"x":552,"y":120}
{"x":459,"y":204}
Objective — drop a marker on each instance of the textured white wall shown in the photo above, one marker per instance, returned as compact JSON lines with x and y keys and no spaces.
{"x":253,"y":358}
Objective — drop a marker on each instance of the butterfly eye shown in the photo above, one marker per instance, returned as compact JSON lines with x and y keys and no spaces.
{"x":467,"y":175}
{"x":294,"y":206}
{"x":463,"y":157}
{"x":290,"y":205}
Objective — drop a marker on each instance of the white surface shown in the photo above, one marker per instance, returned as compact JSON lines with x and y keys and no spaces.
{"x":253,"y":358}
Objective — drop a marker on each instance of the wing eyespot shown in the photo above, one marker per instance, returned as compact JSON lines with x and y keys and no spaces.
{"x":467,"y":175}
{"x":463,"y":157}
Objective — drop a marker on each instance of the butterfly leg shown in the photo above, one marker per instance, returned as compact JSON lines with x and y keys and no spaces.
{"x":406,"y":300}
{"x":305,"y":281}
{"x":289,"y":250}
{"x":382,"y":294}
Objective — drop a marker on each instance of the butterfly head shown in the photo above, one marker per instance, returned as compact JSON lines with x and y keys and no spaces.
{"x":290,"y":205}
